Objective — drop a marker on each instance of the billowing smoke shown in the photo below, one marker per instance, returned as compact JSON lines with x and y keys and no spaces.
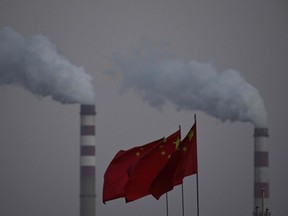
{"x":192,"y":85}
{"x":35,"y":64}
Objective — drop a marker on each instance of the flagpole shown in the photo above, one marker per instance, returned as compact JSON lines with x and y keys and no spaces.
{"x":197,"y":180}
{"x":167,"y":210}
{"x":267,"y":211}
{"x":197,"y":185}
{"x":263,"y":191}
{"x":257,"y":210}
{"x":182,"y":188}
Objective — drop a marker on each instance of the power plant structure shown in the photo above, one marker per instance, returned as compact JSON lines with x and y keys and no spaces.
{"x":261,"y":172}
{"x":87,"y":161}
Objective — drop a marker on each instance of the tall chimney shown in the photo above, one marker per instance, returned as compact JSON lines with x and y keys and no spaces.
{"x":261,"y":170}
{"x":87,"y":161}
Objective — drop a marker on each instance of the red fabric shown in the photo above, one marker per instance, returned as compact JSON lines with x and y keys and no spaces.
{"x":142,"y":174}
{"x":182,"y":163}
{"x":189,"y":160}
{"x":116,"y":176}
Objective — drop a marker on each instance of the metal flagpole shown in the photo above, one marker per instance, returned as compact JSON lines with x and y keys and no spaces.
{"x":257,"y":210}
{"x":182,"y":187}
{"x":267,"y":211}
{"x":197,"y":180}
{"x":197,"y":185}
{"x":263,"y":191}
{"x":167,"y":210}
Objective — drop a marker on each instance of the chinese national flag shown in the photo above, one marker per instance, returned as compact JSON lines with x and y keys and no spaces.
{"x":142,"y":174}
{"x":182,"y":163}
{"x":116,"y":175}
{"x":189,"y":161}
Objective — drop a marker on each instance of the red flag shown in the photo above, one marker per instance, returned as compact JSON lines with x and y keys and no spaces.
{"x":116,"y":176}
{"x":142,"y":174}
{"x":182,"y":163}
{"x":189,"y":160}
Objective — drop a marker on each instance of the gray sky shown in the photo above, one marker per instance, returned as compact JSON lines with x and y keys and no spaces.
{"x":39,"y":151}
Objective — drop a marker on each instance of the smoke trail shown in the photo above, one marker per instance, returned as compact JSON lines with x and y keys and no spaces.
{"x":34,"y":64}
{"x":191,"y":86}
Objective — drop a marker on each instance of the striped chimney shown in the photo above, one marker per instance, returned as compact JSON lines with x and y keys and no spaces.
{"x":87,"y":161}
{"x":261,"y":170}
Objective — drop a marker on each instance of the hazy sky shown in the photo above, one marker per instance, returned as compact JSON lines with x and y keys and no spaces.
{"x":39,"y":150}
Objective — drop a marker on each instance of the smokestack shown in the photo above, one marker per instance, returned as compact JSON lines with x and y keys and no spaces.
{"x":261,"y":169}
{"x":87,"y":161}
{"x":35,"y":64}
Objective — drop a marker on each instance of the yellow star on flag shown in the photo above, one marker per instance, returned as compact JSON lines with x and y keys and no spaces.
{"x":191,"y":134}
{"x":177,"y":143}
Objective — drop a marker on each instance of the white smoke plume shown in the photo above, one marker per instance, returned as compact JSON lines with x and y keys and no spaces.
{"x":158,"y":78}
{"x":35,"y":64}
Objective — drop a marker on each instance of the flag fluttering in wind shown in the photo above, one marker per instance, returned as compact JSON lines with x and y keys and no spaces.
{"x":142,"y":174}
{"x":154,"y":168}
{"x":116,"y":175}
{"x":182,"y":163}
{"x":189,"y":161}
